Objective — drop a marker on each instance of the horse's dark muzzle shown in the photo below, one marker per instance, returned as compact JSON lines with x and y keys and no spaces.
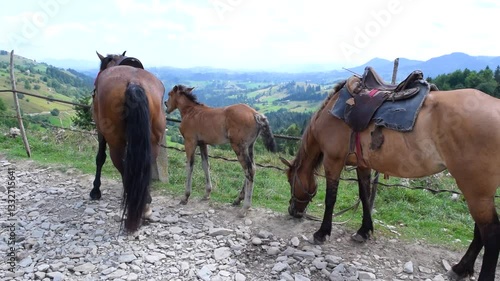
{"x":294,"y":213}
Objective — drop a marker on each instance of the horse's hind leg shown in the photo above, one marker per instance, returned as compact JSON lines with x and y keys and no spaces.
{"x":491,"y":240}
{"x":241,"y":196}
{"x":364,"y":176}
{"x":249,"y":170}
{"x":100,"y":158}
{"x":465,"y":267}
{"x":190,"y":149}
{"x":206,"y":169}
{"x":486,"y":233}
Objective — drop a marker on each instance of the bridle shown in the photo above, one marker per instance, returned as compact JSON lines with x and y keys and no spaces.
{"x":292,"y":189}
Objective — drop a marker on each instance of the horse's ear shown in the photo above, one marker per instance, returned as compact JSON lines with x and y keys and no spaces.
{"x":175,"y":88}
{"x":190,"y":89}
{"x":286,"y":162}
{"x":101,"y":57}
{"x":124,"y":53}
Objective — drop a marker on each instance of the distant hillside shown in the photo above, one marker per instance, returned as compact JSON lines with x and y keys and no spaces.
{"x":42,"y":79}
{"x":316,"y":73}
{"x":432,"y":67}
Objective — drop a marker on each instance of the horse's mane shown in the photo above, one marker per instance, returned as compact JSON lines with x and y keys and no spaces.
{"x":335,"y":89}
{"x":306,"y":137}
{"x":188,"y":94}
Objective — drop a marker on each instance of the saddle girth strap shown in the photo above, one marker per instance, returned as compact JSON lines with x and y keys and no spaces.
{"x":356,"y":149}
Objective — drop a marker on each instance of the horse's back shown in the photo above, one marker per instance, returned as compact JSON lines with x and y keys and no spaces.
{"x":109,"y":101}
{"x":458,"y":130}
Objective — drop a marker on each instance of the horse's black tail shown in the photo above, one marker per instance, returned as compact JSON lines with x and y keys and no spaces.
{"x":266,"y":133}
{"x":137,"y":164}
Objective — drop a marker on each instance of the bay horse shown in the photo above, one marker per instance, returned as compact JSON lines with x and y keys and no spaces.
{"x":127,"y":109}
{"x":458,"y":130}
{"x":201,"y":125}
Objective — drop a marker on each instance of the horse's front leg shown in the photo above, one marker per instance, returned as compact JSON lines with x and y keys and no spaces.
{"x":190,"y":149}
{"x":100,"y":158}
{"x":333,"y":168}
{"x":206,"y":169}
{"x":330,"y":199}
{"x":364,"y":178}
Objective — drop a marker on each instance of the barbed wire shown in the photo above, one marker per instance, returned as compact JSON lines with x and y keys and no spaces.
{"x":46,"y":98}
{"x":88,"y":106}
{"x":434,"y":191}
{"x":51,"y":125}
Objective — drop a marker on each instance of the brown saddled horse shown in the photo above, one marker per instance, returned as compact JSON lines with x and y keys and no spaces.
{"x":239,"y":125}
{"x":127,"y":110}
{"x":457,"y":130}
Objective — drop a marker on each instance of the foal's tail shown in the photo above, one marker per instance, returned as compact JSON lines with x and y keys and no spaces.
{"x":266,"y":133}
{"x":137,"y":164}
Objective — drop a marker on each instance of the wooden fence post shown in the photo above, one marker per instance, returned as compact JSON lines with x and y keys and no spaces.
{"x":160,"y":167}
{"x":395,"y":71}
{"x":18,"y":108}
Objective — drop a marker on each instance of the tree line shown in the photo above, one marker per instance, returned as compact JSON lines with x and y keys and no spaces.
{"x":484,"y":80}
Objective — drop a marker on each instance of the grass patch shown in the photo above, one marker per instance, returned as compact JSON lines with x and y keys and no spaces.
{"x":414,"y":214}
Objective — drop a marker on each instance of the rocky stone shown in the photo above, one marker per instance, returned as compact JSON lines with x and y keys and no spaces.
{"x":222,"y":253}
{"x":84,"y":268}
{"x":408,"y":267}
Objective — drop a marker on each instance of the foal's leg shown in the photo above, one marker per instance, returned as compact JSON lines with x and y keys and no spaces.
{"x":364,"y":176}
{"x":190,"y":148}
{"x":241,"y":196}
{"x":206,"y":169}
{"x":100,"y":158}
{"x":249,"y":170}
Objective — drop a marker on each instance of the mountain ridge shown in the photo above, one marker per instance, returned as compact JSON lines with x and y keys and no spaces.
{"x":431,"y":68}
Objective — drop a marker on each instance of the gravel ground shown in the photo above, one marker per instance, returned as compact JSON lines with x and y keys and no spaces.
{"x":60,"y":234}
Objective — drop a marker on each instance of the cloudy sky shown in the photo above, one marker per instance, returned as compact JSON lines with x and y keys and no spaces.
{"x":249,"y":34}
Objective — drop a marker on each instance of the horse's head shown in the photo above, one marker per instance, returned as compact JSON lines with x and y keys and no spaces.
{"x":114,"y":60}
{"x":110,"y":60}
{"x":174,"y":95}
{"x":302,"y":186}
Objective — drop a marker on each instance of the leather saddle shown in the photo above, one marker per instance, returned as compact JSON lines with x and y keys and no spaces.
{"x":131,"y":61}
{"x":370,"y":91}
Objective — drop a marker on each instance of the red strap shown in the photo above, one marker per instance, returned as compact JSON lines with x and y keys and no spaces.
{"x":373,"y":92}
{"x":359,"y":151}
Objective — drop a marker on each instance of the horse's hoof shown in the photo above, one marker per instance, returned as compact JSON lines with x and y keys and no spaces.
{"x":147,"y":212}
{"x":452,"y":275}
{"x":242,"y":213}
{"x":319,"y":239}
{"x":183,"y":202}
{"x":95,"y":196}
{"x":205,"y":198}
{"x":358,"y":238}
{"x":236,"y":202}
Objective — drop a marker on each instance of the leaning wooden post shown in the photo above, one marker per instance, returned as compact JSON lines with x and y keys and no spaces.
{"x":160,"y":167}
{"x":18,"y":108}
{"x":395,"y":71}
